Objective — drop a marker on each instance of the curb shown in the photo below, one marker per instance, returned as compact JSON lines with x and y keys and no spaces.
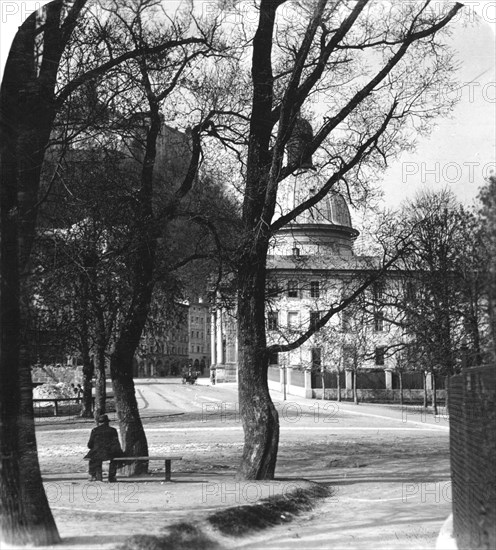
{"x":445,"y":539}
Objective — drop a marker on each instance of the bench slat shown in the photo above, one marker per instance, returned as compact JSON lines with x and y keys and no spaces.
{"x":130,"y":458}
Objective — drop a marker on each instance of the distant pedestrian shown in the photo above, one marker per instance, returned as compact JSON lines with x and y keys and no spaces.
{"x":212,"y":375}
{"x":104,"y":445}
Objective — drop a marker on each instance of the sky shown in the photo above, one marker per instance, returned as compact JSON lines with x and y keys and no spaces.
{"x":461,"y":150}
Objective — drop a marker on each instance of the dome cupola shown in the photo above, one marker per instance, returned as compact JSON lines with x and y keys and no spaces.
{"x":324,"y":229}
{"x":301,"y":137}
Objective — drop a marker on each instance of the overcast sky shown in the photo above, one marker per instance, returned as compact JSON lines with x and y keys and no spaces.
{"x":460,"y":152}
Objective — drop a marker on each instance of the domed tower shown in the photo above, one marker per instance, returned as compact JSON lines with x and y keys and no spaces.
{"x":324,"y":230}
{"x":301,"y":137}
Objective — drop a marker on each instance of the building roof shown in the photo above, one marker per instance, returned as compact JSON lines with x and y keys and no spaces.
{"x":323,"y":263}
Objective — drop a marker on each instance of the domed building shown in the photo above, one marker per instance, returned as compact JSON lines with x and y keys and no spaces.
{"x":311,"y":268}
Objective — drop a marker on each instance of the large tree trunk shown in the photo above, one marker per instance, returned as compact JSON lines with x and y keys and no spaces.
{"x":400,"y":378}
{"x":121,"y":361}
{"x":131,"y":428}
{"x":26,"y":517}
{"x":259,"y":417}
{"x":84,"y":339}
{"x":25,"y":126}
{"x":88,"y":371}
{"x":434,"y":395}
{"x":100,"y":383}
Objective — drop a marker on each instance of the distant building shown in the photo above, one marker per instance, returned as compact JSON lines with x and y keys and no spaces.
{"x":311,"y":266}
{"x":175,"y":341}
{"x":199,"y":335}
{"x":163,"y":349}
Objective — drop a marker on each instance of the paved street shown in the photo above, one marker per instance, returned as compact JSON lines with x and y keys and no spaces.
{"x":388,"y":468}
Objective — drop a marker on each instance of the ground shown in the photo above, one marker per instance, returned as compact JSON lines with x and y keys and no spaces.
{"x":388,"y":467}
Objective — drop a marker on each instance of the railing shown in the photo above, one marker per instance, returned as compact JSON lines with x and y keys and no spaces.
{"x":64,"y":406}
{"x":56,"y":404}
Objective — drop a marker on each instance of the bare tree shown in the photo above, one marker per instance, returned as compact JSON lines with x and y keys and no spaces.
{"x":33,"y":92}
{"x":366,"y":122}
{"x":487,"y":219}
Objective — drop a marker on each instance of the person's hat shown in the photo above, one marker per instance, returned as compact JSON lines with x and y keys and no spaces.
{"x":103,"y":418}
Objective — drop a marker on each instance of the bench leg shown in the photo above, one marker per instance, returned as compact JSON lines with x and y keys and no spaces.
{"x":167,"y":470}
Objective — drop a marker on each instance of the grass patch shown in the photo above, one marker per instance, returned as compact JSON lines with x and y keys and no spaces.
{"x":180,"y":536}
{"x":270,"y":511}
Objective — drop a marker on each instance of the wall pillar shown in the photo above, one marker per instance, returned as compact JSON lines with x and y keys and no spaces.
{"x":213,"y":360}
{"x":349,"y":379}
{"x":308,"y":383}
{"x":219,"y":342}
{"x":389,"y":379}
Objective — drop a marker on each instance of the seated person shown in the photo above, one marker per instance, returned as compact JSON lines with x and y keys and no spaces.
{"x":104,"y":445}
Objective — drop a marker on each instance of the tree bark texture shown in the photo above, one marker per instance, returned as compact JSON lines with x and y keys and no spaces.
{"x":88,"y":371}
{"x":100,"y":383}
{"x":259,"y":417}
{"x":355,"y":392}
{"x":133,"y":436}
{"x":26,"y":118}
{"x":434,"y":396}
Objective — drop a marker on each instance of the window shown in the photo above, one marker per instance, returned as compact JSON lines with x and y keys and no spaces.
{"x":272,"y":288}
{"x":293,"y":319}
{"x":315,"y":289}
{"x":378,"y":321}
{"x":272,"y":320}
{"x":348,"y":356}
{"x":411,"y":291}
{"x":346,"y":319}
{"x":378,"y":290}
{"x":316,"y":358}
{"x":293,"y":289}
{"x":274,"y":358}
{"x":379,"y":356}
{"x":314,"y":319}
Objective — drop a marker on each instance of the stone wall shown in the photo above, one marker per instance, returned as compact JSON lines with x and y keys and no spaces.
{"x":472,"y":407}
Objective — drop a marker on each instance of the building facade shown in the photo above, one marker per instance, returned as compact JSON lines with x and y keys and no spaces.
{"x":199,"y":336}
{"x":312,"y":268}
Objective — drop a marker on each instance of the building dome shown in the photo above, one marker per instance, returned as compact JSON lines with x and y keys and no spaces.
{"x":301,"y":137}
{"x":331,"y":210}
{"x":324,"y":229}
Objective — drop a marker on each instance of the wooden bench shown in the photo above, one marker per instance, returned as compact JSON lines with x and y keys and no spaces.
{"x":167,"y":460}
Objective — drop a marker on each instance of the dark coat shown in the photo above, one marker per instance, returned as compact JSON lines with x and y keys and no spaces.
{"x":104,"y":443}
